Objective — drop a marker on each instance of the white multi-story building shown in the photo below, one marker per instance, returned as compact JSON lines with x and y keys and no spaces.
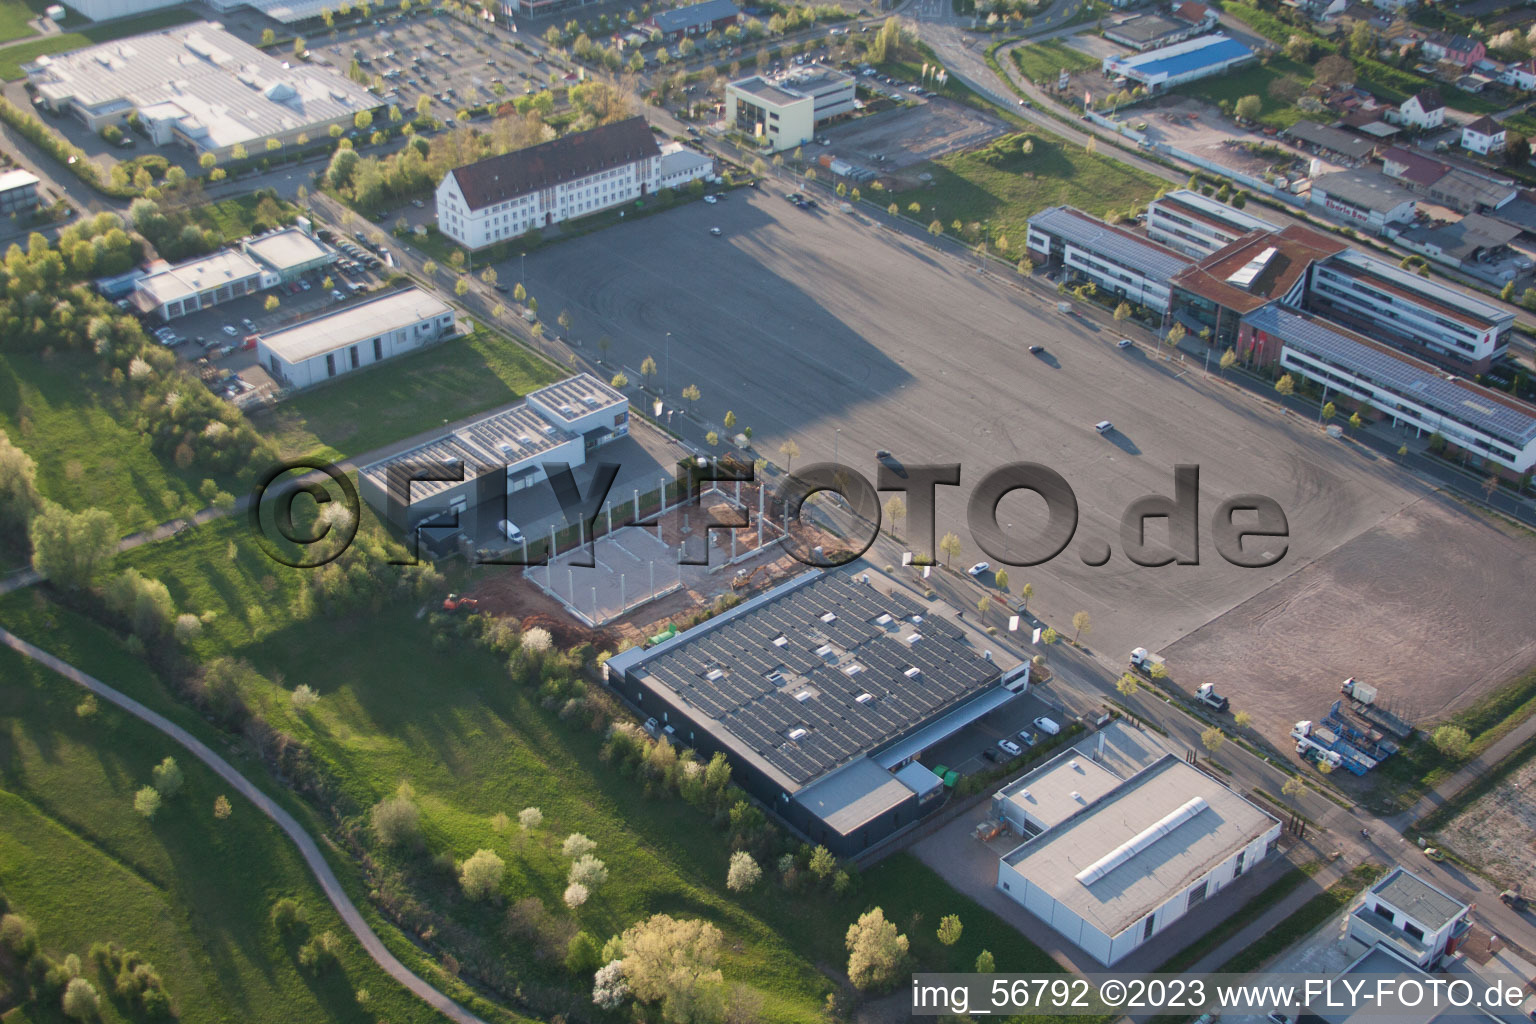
{"x":1413,"y":393}
{"x":782,"y":112}
{"x":501,"y":197}
{"x":353,"y":337}
{"x":1483,"y":136}
{"x":1198,"y":225}
{"x":1414,"y":919}
{"x":1423,"y":110}
{"x":1109,"y":862}
{"x":1115,"y":260}
{"x":1418,"y":315}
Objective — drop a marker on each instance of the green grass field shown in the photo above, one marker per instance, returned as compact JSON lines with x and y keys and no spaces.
{"x":1042,"y":62}
{"x":406,"y":396}
{"x":190,"y":892}
{"x":13,"y":57}
{"x":14,"y":16}
{"x":448,"y":719}
{"x":1003,"y":187}
{"x":80,"y":433}
{"x":1254,"y":80}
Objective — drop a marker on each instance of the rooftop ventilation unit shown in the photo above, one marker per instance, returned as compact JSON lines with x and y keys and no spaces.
{"x":803,"y":696}
{"x":798,"y":733}
{"x":1077,"y":796}
{"x":884,"y":619}
{"x":864,"y":698}
{"x":714,"y":674}
{"x":824,"y":651}
{"x":1141,"y":841}
{"x":524,"y":439}
{"x":781,"y":640}
{"x":913,"y":638}
{"x":852,"y":669}
{"x":568,"y":410}
{"x":829,"y":617}
{"x":592,"y":403}
{"x":913,"y":672}
{"x":549,"y":428}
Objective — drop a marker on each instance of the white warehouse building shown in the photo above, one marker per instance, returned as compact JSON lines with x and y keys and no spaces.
{"x":1115,"y":260}
{"x":1179,"y":63}
{"x":1110,"y":862}
{"x":501,"y":197}
{"x":353,"y":337}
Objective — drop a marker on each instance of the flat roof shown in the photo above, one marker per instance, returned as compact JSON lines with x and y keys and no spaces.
{"x":818,"y":672}
{"x":763,"y":89}
{"x":1296,"y":248}
{"x":510,"y":435}
{"x":1332,"y":139}
{"x":1145,"y":28}
{"x":199,"y":275}
{"x":1381,"y":962}
{"x":15,"y":178}
{"x":855,"y":794}
{"x":1464,"y":238}
{"x":1143,"y":254}
{"x":1370,"y":190}
{"x":1140,"y":844}
{"x":1418,"y":899}
{"x":349,"y":325}
{"x":1182,"y":58}
{"x":680,"y":18}
{"x":1473,"y":189}
{"x":287,"y":248}
{"x":1493,"y":412}
{"x":580,"y":395}
{"x":1061,"y":787}
{"x":1217,"y":214}
{"x":1467,"y":308}
{"x":220,"y":89}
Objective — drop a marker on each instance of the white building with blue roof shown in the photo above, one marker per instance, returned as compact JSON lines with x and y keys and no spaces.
{"x":1182,"y":62}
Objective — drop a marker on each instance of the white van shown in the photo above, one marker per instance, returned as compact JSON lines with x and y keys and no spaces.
{"x":1103,"y":426}
{"x":1047,"y":725}
{"x":509,"y":530}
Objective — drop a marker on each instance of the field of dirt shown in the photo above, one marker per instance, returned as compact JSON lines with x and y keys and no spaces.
{"x":1432,"y":605}
{"x":1497,"y":831}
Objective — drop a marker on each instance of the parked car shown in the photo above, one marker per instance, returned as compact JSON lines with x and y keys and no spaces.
{"x":1010,"y":748}
{"x":711,"y":200}
{"x":989,"y":754}
{"x":979,"y":568}
{"x":1035,"y":350}
{"x":231,"y":330}
{"x":1124,"y":343}
{"x":1103,"y":426}
{"x":715,"y":231}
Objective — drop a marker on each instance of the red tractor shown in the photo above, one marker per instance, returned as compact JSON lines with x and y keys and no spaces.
{"x":455,"y":603}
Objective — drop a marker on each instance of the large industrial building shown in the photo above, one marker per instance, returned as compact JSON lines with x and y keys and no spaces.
{"x":1198,"y":225}
{"x":1115,"y":260}
{"x":352,"y":337}
{"x":1182,"y":62}
{"x":698,"y":19}
{"x":782,"y":112}
{"x":1367,"y":198}
{"x":1410,"y":392}
{"x":501,"y":453}
{"x":576,"y":175}
{"x":199,"y":87}
{"x":1111,"y":861}
{"x":823,"y":692}
{"x":290,"y":252}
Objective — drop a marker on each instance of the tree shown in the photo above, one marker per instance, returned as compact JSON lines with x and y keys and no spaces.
{"x":147,"y":802}
{"x":609,"y":989}
{"x":577,"y":845}
{"x":1127,"y":684}
{"x":1212,"y":739}
{"x":949,"y":547}
{"x":1362,"y":41}
{"x":362,"y":120}
{"x":80,"y":1000}
{"x":1299,"y":49}
{"x":1333,"y":70}
{"x":587,"y":870}
{"x":221,"y":807}
{"x":1248,"y":108}
{"x":983,"y":605}
{"x":935,"y":228}
{"x":1080,"y":624}
{"x":822,"y":862}
{"x":1292,"y":788}
{"x":1452,"y":740}
{"x":1001,"y":579}
{"x":272,"y":303}
{"x":1228,"y":359}
{"x":238,"y":152}
{"x":876,"y":951}
{"x":70,"y":548}
{"x":1285,"y":385}
{"x":488,"y":275}
{"x":167,"y":777}
{"x":1026,"y":592}
{"x":620,"y":380}
{"x":985,"y":964}
{"x":461,"y":286}
{"x":1122,"y":312}
{"x":582,"y":954}
{"x":1242,"y":719}
{"x":949,"y":929}
{"x":895,"y":511}
{"x":575,"y":895}
{"x":674,"y":962}
{"x":1049,"y":636}
{"x":648,"y":370}
{"x":1329,"y":412}
{"x":1355,"y":422}
{"x":530,"y":818}
{"x":396,"y":820}
{"x":480,"y":875}
{"x":791,"y":451}
{"x":744,"y":872}
{"x":268,"y":37}
{"x":691,"y":393}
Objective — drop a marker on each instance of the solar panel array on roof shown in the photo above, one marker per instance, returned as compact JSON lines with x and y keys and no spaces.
{"x":808,"y":691}
{"x":1092,"y":234}
{"x":1457,"y":400}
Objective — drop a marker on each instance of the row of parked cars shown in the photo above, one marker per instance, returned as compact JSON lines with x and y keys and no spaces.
{"x":1013,"y":748}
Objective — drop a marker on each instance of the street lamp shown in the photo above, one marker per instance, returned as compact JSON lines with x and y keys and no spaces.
{"x":666,"y":359}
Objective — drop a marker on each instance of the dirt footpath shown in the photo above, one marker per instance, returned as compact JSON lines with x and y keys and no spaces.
{"x":1432,"y":605}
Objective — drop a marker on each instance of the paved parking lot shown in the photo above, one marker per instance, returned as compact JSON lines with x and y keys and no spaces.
{"x":825,"y":329}
{"x":911,"y":135}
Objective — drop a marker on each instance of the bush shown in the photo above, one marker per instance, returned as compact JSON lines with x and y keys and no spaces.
{"x":168,"y":777}
{"x":583,"y":955}
{"x":481,"y":874}
{"x":80,"y":1000}
{"x":18,"y":936}
{"x":396,"y":821}
{"x":287,"y":914}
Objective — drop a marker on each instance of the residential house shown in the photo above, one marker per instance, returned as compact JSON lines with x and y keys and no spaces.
{"x":1423,"y":110}
{"x":1520,"y":76}
{"x":1483,"y":136}
{"x":1463,"y":51}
